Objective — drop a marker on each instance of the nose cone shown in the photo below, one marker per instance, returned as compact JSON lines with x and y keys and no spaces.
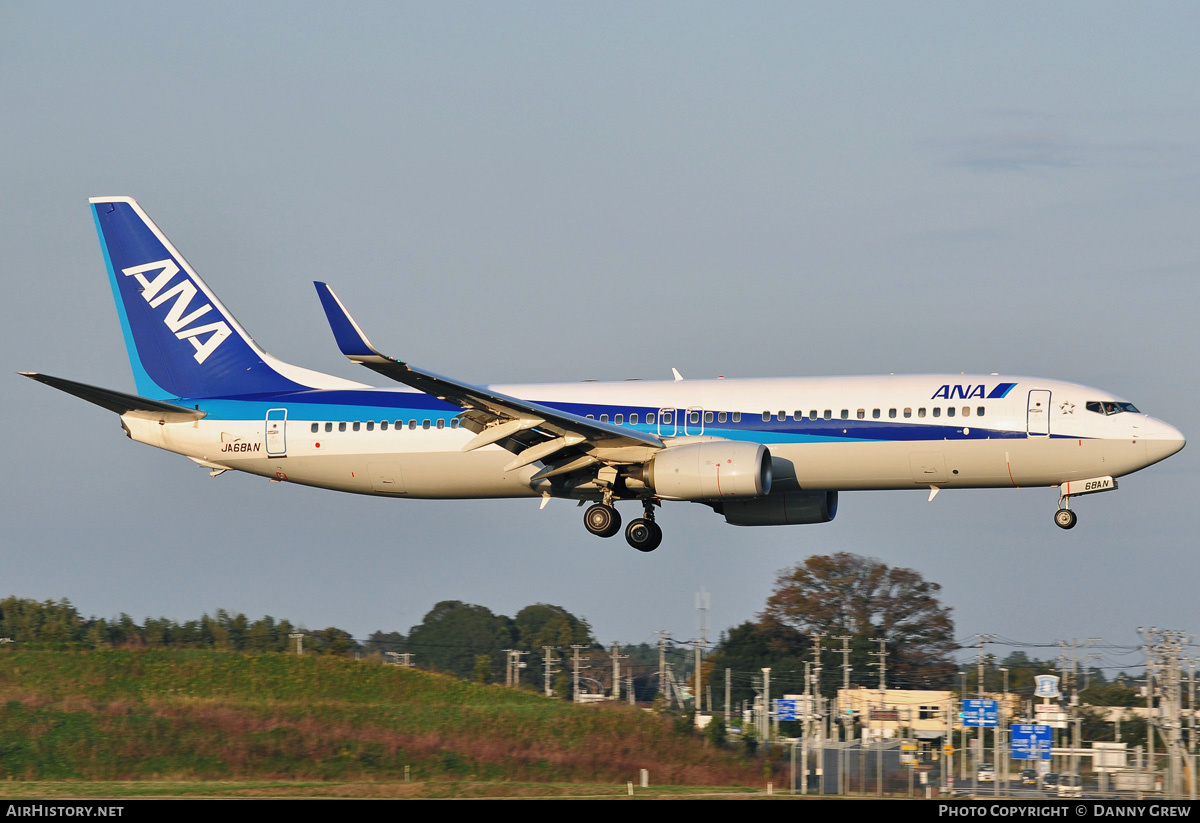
{"x":1162,"y":440}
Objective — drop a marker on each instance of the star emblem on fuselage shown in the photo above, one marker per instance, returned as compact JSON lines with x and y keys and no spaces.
{"x":1067,"y":407}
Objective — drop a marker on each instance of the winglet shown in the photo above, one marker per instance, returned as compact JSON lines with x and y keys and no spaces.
{"x":349,"y":336}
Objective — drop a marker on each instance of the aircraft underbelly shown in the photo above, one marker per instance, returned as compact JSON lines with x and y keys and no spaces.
{"x":991,"y":463}
{"x":434,"y":475}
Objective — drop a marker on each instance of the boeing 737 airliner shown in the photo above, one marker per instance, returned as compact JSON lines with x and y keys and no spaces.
{"x":760,"y":452}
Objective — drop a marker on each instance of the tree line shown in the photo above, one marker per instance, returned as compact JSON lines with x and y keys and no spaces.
{"x":836,"y":595}
{"x":57,"y":624}
{"x":870,"y":621}
{"x":457,"y":638}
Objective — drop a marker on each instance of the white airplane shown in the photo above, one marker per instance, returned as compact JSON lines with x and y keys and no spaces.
{"x":760,"y":452}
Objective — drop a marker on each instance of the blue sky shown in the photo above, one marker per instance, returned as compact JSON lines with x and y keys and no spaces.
{"x":525,"y":192}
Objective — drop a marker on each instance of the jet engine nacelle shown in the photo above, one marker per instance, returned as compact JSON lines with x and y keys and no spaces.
{"x":782,"y":509}
{"x":716,"y":470}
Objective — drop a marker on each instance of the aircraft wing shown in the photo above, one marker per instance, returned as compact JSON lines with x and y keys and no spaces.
{"x":565,"y":442}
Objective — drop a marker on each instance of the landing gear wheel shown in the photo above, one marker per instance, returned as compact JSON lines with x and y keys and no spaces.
{"x":601,"y":520}
{"x":644,"y":535}
{"x":1065,"y":519}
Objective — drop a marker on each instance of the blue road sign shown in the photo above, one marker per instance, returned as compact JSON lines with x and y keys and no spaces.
{"x":1030,"y":741}
{"x":786,"y":710}
{"x":980,"y":712}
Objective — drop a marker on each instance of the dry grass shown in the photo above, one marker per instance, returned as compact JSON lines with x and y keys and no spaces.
{"x":183,"y":715}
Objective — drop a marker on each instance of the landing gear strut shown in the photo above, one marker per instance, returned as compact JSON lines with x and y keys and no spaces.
{"x":1064,"y":518}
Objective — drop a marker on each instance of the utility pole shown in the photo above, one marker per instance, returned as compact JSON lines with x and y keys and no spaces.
{"x":728,"y":693}
{"x":702,"y":603}
{"x":757,"y":713}
{"x":1171,"y":647}
{"x":815,"y":707}
{"x":1149,"y":697}
{"x":882,"y":664}
{"x":663,"y":637}
{"x":549,"y":663}
{"x":617,"y":657}
{"x":577,"y":663}
{"x":766,"y":708}
{"x":1192,"y":710}
{"x":845,"y":638}
{"x":517,"y":665}
{"x":962,"y":760}
{"x":980,"y":640}
{"x":299,"y":638}
{"x":511,"y":658}
{"x":1089,"y":656}
{"x":807,"y":711}
{"x":1164,"y":678}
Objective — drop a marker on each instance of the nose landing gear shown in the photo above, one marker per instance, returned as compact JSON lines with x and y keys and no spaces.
{"x":1064,"y":518}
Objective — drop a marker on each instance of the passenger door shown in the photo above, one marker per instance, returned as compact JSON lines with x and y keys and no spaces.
{"x":1037,"y":416}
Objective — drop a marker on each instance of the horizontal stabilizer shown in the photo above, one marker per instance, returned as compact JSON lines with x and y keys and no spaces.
{"x":116,"y":401}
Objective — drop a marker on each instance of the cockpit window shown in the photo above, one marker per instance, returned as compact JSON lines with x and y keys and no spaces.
{"x":1108,"y":407}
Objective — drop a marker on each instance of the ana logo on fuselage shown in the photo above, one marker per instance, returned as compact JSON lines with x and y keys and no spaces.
{"x":183,"y":292}
{"x":957,"y":391}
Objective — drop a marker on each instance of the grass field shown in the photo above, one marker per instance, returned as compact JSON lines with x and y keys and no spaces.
{"x":174,"y":723}
{"x":291,"y":790}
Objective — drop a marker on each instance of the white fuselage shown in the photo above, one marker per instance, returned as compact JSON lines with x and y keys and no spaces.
{"x":823,"y":433}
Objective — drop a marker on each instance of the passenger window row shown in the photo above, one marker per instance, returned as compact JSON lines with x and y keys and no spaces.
{"x":693,"y":416}
{"x":384,"y":425}
{"x":876,"y":414}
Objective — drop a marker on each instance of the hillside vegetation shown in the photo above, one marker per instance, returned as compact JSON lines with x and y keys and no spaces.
{"x":186,"y":715}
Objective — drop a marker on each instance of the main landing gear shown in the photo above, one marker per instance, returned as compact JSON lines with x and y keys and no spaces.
{"x":602,"y":520}
{"x":643,"y":533}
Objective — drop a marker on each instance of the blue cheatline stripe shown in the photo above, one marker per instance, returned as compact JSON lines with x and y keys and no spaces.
{"x":1001,"y":391}
{"x":364,"y":404}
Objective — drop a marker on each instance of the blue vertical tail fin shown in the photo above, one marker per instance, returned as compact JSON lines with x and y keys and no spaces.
{"x":182,"y":342}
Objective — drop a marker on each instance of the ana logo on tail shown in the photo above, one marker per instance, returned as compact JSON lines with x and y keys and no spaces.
{"x":183,"y":292}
